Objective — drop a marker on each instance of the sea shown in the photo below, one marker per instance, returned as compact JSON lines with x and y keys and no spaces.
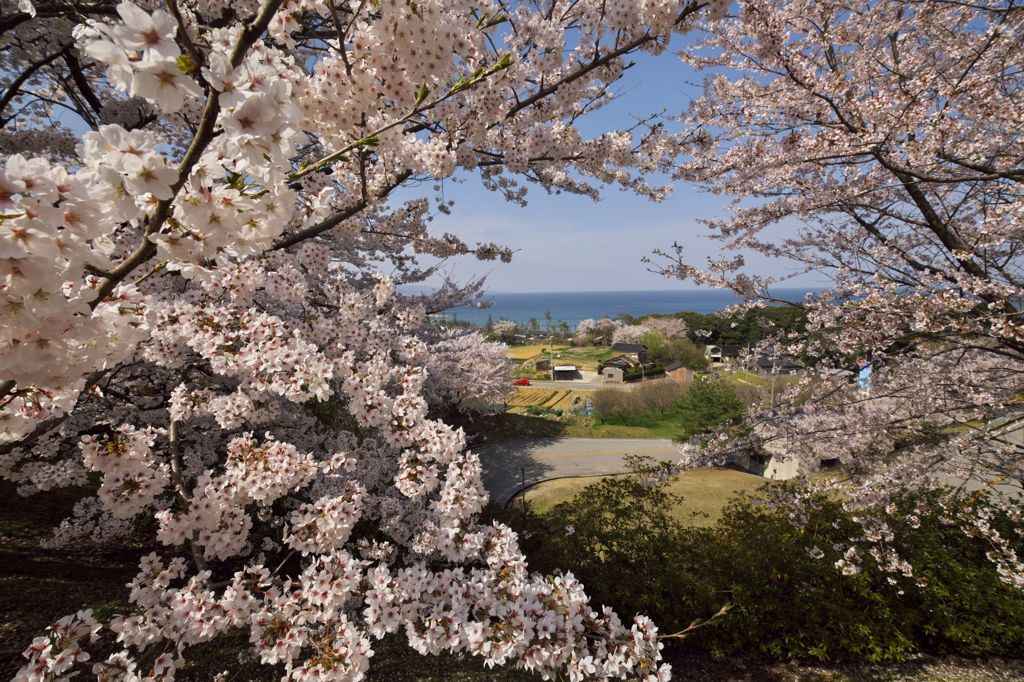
{"x":572,"y":306}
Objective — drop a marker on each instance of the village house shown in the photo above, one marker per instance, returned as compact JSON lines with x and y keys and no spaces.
{"x":637,"y":351}
{"x":722,"y":354}
{"x":783,"y":364}
{"x":614,"y":369}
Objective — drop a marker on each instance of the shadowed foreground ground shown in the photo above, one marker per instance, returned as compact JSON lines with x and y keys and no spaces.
{"x":38,"y":586}
{"x":508,"y":465}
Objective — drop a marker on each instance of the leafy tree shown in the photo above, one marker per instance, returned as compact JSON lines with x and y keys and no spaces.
{"x":668,"y":350}
{"x":707,"y":404}
{"x":744,"y":328}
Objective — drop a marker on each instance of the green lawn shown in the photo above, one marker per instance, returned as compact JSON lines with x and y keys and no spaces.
{"x":595,"y":429}
{"x":705,"y":493}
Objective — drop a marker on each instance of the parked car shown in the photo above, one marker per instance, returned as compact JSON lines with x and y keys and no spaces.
{"x":521,"y":382}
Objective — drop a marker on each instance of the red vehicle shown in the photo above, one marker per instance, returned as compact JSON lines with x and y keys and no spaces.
{"x":521,"y":382}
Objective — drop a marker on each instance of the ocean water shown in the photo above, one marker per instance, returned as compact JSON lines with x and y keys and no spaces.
{"x":573,"y":306}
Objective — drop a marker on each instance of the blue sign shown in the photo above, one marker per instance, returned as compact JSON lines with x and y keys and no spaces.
{"x":864,"y":376}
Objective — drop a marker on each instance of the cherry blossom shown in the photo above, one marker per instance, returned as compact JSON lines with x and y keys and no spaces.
{"x":196,"y":214}
{"x":877,"y":145}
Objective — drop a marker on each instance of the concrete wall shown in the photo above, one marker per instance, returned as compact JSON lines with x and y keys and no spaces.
{"x":784,"y":468}
{"x":783,"y":464}
{"x":612,"y":375}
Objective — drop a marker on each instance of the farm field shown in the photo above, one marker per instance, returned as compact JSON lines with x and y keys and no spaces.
{"x":586,"y":358}
{"x":550,"y":398}
{"x":529,"y":351}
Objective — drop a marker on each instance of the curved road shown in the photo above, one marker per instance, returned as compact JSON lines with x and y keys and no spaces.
{"x":506,"y":465}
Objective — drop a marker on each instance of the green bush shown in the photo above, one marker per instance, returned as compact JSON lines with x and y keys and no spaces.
{"x":665,"y":351}
{"x":788,"y":598}
{"x":648,"y":405}
{"x":707,"y":404}
{"x":698,"y":407}
{"x":638,"y":373}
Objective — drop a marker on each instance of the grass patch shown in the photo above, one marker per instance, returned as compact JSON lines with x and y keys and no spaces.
{"x":742,"y":376}
{"x":506,"y":426}
{"x":705,"y":493}
{"x":584,"y":357}
{"x":597,"y":429}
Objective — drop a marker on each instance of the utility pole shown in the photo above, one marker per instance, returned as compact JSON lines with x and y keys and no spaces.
{"x":774,"y":358}
{"x":551,"y":355}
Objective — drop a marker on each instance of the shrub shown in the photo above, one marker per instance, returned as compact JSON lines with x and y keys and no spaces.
{"x":788,"y":599}
{"x":698,"y":407}
{"x":645,"y":403}
{"x":638,"y":373}
{"x":707,"y":404}
{"x":618,"y":536}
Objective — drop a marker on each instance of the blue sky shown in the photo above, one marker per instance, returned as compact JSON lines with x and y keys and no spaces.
{"x":571,"y":243}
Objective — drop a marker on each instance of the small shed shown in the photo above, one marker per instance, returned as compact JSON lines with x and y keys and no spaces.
{"x":679,"y":372}
{"x":565,"y":373}
{"x":612,"y":374}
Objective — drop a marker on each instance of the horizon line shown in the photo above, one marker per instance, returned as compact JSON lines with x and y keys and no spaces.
{"x":625,"y":291}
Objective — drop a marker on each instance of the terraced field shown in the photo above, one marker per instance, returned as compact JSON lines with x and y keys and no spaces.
{"x":550,"y":398}
{"x":532,"y":396}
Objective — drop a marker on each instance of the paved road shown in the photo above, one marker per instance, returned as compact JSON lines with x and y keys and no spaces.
{"x":506,"y":464}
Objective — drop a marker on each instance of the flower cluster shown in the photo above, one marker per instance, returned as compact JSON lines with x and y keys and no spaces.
{"x":132,"y":476}
{"x":908,"y":193}
{"x":142,"y":56}
{"x":202,"y":267}
{"x":54,"y":654}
